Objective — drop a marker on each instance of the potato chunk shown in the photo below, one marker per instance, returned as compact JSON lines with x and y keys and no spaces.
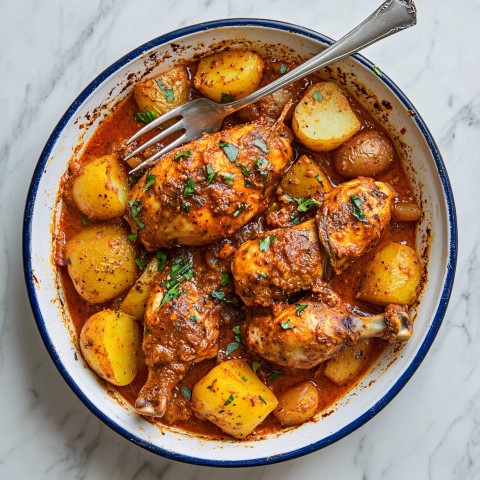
{"x":392,"y":276}
{"x":101,"y":262}
{"x":136,"y":299}
{"x":100,"y":190}
{"x":163,"y":92}
{"x":109,"y":342}
{"x":232,"y":396}
{"x":323,"y":119}
{"x":227,"y":76}
{"x":349,"y":362}
{"x":305,"y":179}
{"x":297,"y":404}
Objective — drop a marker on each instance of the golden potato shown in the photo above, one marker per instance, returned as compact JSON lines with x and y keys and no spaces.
{"x":101,"y":262}
{"x":136,"y":299}
{"x":297,"y":404}
{"x":163,"y":92}
{"x":233,"y":397}
{"x":227,"y":76}
{"x":109,"y":342}
{"x":305,"y":179}
{"x":100,"y":189}
{"x":392,"y":276}
{"x":323,"y":119}
{"x":366,"y":154}
{"x":406,"y":212}
{"x":349,"y":362}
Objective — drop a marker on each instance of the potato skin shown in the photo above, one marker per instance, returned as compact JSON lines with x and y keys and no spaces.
{"x":234,"y":74}
{"x":297,"y":404}
{"x":149,"y":96}
{"x":392,"y":276}
{"x":109,"y":342}
{"x":100,"y":190}
{"x":101,"y":262}
{"x":323,"y":119}
{"x":233,"y":397}
{"x":367,"y":154}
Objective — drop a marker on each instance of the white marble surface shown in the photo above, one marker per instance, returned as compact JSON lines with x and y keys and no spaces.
{"x":49,"y":51}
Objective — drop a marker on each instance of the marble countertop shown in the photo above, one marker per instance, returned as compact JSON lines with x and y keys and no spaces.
{"x":49,"y":51}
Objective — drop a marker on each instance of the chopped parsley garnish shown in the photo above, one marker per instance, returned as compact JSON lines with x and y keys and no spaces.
{"x":135,"y":208}
{"x":242,"y":207}
{"x":377,"y":71}
{"x":221,"y":411}
{"x":189,"y":188}
{"x":283,"y":68}
{"x":274,"y":375}
{"x":229,"y":400}
{"x":220,"y":296}
{"x":318,"y":179}
{"x":228,"y":178}
{"x":317,"y":96}
{"x":300,"y":308}
{"x":231,"y":347}
{"x":84,"y":220}
{"x":357,"y":211}
{"x":286,"y":325}
{"x":211,"y":174}
{"x":140,"y":264}
{"x":186,"y":392}
{"x":133,"y":237}
{"x":193,"y":319}
{"x":236,"y":331}
{"x":168,"y":92}
{"x":261,"y":145}
{"x":294,"y":219}
{"x":262,"y":164}
{"x":231,"y":151}
{"x":146,"y":117}
{"x":266,"y":243}
{"x":226,"y":279}
{"x":248,"y":183}
{"x":150,"y":180}
{"x":262,"y":399}
{"x":256,"y":365}
{"x":226,"y":97}
{"x":161,"y":259}
{"x":185,"y":153}
{"x":182,"y":269}
{"x":304,"y":204}
{"x":244,"y":378}
{"x":147,"y":331}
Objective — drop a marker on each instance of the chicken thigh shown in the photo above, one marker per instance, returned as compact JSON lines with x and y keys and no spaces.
{"x":209,"y":188}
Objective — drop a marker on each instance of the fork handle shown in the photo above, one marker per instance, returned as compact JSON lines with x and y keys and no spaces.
{"x":391,"y":17}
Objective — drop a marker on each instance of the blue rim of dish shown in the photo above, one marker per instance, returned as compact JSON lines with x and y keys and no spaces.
{"x":27,"y":246}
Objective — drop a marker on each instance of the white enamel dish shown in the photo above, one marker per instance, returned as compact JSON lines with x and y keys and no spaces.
{"x":429,"y":181}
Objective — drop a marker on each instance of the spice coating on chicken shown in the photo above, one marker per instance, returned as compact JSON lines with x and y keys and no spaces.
{"x":181,"y":328}
{"x":352,"y":218}
{"x":277,"y":263}
{"x":209,"y":188}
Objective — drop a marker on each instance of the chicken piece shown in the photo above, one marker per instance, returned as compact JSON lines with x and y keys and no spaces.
{"x":352,"y":219}
{"x":277,"y":263}
{"x":211,"y":187}
{"x":305,"y":335}
{"x":181,"y":328}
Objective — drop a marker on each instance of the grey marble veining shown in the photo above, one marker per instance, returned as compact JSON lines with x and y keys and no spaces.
{"x":49,"y":51}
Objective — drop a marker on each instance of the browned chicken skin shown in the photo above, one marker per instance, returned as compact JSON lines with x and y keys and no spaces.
{"x":295,"y":258}
{"x":306,"y":334}
{"x":211,"y":187}
{"x":179,"y":330}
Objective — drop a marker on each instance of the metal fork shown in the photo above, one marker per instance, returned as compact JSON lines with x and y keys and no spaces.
{"x":204,"y":116}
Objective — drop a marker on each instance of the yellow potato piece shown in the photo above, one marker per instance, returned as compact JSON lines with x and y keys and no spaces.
{"x":163,"y":92}
{"x":227,"y":76}
{"x":392,"y":276}
{"x":297,"y":404}
{"x":305,"y":179}
{"x":349,"y":362}
{"x":233,"y":397}
{"x":101,"y":262}
{"x":100,"y":190}
{"x":323,"y":119}
{"x":136,"y":299}
{"x":109,"y":342}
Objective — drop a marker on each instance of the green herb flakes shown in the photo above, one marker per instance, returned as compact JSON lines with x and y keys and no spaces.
{"x":84,"y":220}
{"x":262,"y":399}
{"x":231,"y":151}
{"x":146,"y":117}
{"x":186,"y":392}
{"x":261,"y":145}
{"x":140,"y":264}
{"x":161,"y":259}
{"x":135,"y":208}
{"x":168,"y":92}
{"x":211,"y":174}
{"x":267,"y":242}
{"x":184,"y":154}
{"x":150,"y":180}
{"x":181,"y":270}
{"x":133,"y":237}
{"x":274,"y":375}
{"x":357,"y":211}
{"x":189,"y":188}
{"x":226,"y":97}
{"x":220,"y":296}
{"x":317,"y":96}
{"x":300,"y":308}
{"x":286,"y":325}
{"x":228,"y":178}
{"x":304,"y":204}
{"x":319,"y":179}
{"x":193,"y":319}
{"x":231,"y":347}
{"x":283,"y":69}
{"x":256,"y":365}
{"x":229,"y":400}
{"x":226,"y":279}
{"x":377,"y":71}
